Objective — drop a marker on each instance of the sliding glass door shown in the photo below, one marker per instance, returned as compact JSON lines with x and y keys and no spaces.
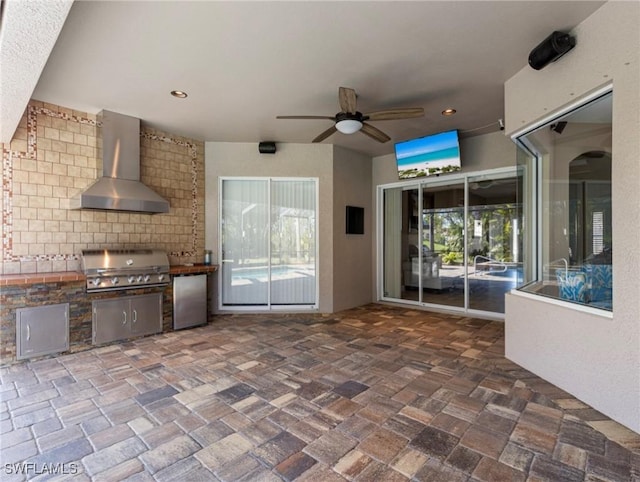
{"x":494,"y":241}
{"x":442,"y":263}
{"x":454,"y":242}
{"x":268,"y":243}
{"x":293,"y":243}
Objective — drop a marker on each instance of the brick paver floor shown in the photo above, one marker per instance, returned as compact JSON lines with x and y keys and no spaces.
{"x":376,"y":393}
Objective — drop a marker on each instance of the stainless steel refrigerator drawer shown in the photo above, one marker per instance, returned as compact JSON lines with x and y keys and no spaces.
{"x":189,"y":301}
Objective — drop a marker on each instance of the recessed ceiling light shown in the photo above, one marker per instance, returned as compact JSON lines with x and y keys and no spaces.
{"x":179,"y":94}
{"x":448,"y":112}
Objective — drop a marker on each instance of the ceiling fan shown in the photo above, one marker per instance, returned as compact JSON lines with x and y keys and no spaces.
{"x":349,"y":120}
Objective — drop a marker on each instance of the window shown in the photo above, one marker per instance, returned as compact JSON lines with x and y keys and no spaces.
{"x":569,"y":202}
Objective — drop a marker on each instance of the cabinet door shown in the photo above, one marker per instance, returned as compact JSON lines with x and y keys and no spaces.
{"x":146,"y":314}
{"x":42,"y":330}
{"x":111,"y":320}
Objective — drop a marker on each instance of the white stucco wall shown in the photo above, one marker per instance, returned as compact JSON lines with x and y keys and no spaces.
{"x":344,"y":178}
{"x":477,"y":153}
{"x":596,"y":358}
{"x":352,"y":253}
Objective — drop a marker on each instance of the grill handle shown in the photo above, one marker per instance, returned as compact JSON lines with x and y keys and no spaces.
{"x":124,"y":321}
{"x":154,"y":269}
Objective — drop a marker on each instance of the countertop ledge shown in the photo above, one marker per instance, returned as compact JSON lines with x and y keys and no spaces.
{"x":195,"y":269}
{"x":35,"y":278}
{"x":70,"y":276}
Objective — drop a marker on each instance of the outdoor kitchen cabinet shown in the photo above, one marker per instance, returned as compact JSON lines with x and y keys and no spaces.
{"x":126,"y":317}
{"x":42,"y":330}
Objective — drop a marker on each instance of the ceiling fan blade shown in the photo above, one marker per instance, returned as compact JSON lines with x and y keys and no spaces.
{"x":305,"y":117}
{"x":347,"y":98}
{"x":374,"y":133}
{"x":325,"y":134}
{"x":393,"y":114}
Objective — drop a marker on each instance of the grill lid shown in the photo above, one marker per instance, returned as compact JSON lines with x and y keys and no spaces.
{"x":95,"y":261}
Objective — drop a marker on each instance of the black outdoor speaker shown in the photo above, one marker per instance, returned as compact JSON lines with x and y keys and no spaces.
{"x":551,"y":49}
{"x":267,"y":148}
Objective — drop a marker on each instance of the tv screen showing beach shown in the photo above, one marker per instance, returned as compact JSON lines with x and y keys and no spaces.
{"x":426,"y":156}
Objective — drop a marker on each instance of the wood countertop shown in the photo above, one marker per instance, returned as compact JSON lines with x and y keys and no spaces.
{"x":179,"y":269}
{"x":37,"y":278}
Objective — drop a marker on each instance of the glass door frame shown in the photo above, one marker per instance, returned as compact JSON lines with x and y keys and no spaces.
{"x":268,"y":306}
{"x":419,"y":184}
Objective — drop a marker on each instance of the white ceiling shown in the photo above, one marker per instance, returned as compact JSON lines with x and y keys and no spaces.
{"x":244,"y":63}
{"x":28,"y":32}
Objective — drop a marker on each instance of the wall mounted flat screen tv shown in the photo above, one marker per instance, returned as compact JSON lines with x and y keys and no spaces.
{"x":429,"y":155}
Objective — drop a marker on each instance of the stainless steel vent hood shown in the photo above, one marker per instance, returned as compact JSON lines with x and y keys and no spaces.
{"x":119,"y":188}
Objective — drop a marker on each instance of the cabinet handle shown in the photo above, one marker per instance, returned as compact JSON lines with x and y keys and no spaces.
{"x":28,"y":332}
{"x":135,"y":316}
{"x":124,"y":322}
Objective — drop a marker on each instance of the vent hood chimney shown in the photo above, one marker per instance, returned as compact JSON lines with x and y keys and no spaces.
{"x":119,"y":188}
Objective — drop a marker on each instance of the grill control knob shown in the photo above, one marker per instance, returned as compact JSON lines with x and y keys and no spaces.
{"x":131,"y":279}
{"x":115,"y":280}
{"x":146,"y":278}
{"x":96,"y":281}
{"x":160,"y":277}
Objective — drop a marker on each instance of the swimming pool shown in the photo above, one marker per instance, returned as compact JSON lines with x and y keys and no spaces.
{"x":513,"y":274}
{"x":261,"y":273}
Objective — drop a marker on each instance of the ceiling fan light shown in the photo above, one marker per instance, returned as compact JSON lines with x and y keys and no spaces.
{"x":348,"y":126}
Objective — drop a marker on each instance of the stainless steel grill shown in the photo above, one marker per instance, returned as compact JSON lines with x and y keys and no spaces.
{"x":121,"y":269}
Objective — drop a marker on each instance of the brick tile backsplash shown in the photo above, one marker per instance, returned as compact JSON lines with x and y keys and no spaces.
{"x":53,"y":156}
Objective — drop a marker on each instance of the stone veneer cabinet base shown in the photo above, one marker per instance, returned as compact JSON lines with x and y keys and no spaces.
{"x":15,"y":297}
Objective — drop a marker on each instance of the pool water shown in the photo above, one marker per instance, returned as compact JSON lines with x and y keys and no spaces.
{"x":262,"y":273}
